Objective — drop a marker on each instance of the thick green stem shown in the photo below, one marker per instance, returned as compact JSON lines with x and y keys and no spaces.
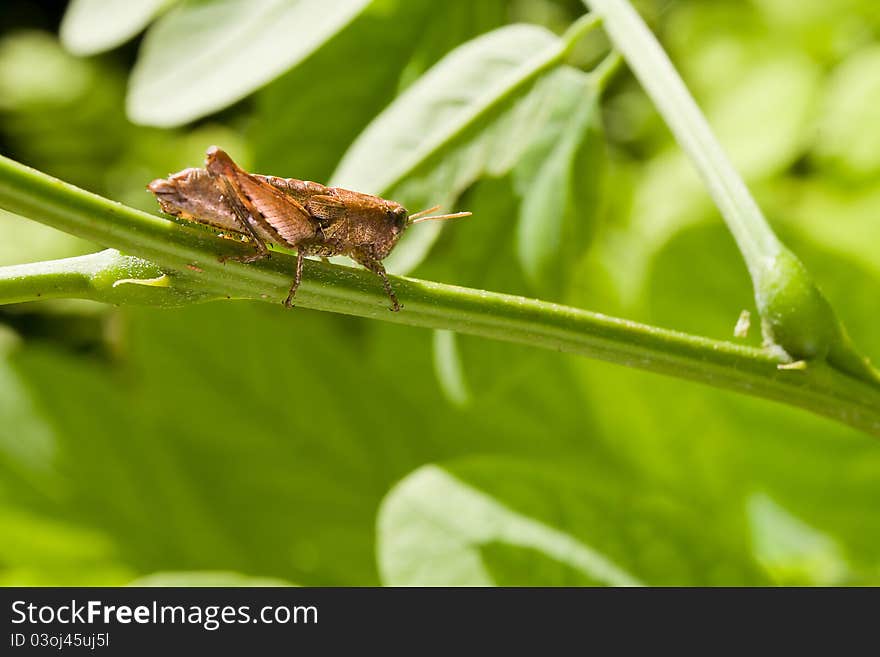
{"x":187,"y":255}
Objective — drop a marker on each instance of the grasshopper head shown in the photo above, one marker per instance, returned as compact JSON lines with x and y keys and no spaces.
{"x":387,"y":226}
{"x":399,"y":220}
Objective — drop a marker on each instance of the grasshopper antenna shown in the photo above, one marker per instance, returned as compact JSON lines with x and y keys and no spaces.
{"x":419,"y":217}
{"x":423,"y":213}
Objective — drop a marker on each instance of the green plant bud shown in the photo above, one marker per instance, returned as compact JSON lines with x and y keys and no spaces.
{"x":795,"y":315}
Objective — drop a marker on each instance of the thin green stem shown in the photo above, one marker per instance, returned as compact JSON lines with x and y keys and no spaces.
{"x":577,"y":31}
{"x":606,"y":69}
{"x":187,"y":255}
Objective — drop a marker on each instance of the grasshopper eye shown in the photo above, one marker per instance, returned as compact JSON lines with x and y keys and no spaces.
{"x":398,"y":217}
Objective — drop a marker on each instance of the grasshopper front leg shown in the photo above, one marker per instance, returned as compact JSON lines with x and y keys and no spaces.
{"x":374,"y":265}
{"x":288,"y":302}
{"x":316,"y":247}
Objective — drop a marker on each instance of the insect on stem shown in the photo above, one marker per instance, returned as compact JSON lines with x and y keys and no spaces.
{"x":297,"y":214}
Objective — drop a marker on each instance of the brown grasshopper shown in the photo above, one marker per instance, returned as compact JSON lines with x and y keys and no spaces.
{"x":297,"y":214}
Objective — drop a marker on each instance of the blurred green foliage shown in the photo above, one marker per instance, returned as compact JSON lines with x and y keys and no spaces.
{"x":234,"y":441}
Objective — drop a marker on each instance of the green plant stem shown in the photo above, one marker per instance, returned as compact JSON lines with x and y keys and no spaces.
{"x":607,"y":68}
{"x":175,"y":249}
{"x":106,"y":276}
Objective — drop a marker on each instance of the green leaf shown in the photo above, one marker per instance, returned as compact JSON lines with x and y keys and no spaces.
{"x":425,"y":538}
{"x":473,"y":114}
{"x":460,"y":523}
{"x":792,"y":551}
{"x":93,"y":26}
{"x":202,"y":56}
{"x":561,"y":198}
{"x":461,"y":91}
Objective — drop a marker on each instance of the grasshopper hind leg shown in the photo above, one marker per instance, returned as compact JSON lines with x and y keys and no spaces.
{"x":315,"y":247}
{"x":243,"y":217}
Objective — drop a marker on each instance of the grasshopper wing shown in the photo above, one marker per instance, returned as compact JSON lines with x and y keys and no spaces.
{"x":278,"y":215}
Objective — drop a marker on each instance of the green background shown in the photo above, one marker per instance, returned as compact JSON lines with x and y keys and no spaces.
{"x":237,"y":440}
